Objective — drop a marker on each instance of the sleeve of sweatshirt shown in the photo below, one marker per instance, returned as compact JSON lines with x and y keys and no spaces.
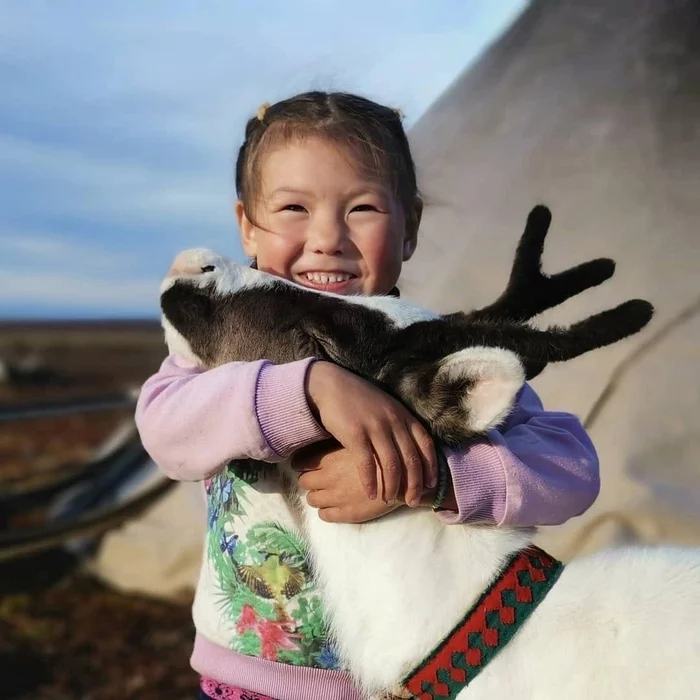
{"x":192,"y":422}
{"x":539,"y":468}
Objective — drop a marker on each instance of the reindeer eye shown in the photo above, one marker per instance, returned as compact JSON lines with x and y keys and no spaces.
{"x":208,"y":268}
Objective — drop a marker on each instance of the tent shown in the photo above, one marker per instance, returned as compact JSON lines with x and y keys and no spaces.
{"x":592,"y":107}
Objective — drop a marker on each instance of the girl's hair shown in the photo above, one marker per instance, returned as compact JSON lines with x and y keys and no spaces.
{"x":372,"y":132}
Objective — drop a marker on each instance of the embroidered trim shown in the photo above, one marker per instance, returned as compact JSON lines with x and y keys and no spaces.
{"x":214,"y":690}
{"x":493,"y":621}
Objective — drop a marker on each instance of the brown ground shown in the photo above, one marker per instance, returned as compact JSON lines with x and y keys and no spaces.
{"x":64,"y":636}
{"x":69,"y":638}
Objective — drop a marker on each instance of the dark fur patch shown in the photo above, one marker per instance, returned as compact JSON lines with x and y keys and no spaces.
{"x":280,"y":323}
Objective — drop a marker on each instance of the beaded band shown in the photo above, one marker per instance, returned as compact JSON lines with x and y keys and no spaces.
{"x":441,"y":491}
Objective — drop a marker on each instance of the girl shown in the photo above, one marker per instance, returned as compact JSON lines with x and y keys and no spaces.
{"x":327,"y":198}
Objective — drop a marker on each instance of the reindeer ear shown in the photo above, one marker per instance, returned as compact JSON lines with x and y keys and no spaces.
{"x":491,"y":378}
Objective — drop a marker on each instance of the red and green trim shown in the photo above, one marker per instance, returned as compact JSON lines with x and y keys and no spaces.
{"x":487,"y":627}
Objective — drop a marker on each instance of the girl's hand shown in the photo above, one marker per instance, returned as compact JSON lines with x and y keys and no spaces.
{"x":332,"y":480}
{"x":380,"y":431}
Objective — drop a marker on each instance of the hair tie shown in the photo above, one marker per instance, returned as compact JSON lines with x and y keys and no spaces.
{"x":260,"y":114}
{"x":398,"y":112}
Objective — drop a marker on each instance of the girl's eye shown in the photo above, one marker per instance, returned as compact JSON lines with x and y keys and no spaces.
{"x":293,"y":207}
{"x":365,"y":207}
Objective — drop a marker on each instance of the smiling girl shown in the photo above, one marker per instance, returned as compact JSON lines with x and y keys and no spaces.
{"x":327,"y":198}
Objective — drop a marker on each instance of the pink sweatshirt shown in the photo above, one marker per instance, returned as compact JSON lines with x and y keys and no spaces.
{"x":538,"y":468}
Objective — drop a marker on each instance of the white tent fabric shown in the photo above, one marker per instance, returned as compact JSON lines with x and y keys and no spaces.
{"x":593,"y":108}
{"x":160,"y":552}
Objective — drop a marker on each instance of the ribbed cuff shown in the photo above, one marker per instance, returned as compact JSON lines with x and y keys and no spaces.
{"x":479,"y":481}
{"x":278,"y":680}
{"x":282,"y":408}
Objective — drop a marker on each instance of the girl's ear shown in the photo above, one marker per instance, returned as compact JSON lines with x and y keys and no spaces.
{"x":412,"y":226}
{"x":248,"y":231}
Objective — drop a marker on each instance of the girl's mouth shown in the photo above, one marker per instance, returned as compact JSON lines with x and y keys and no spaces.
{"x":335,"y":282}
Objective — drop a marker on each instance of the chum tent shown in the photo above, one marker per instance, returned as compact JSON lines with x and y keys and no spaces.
{"x":593,"y":108}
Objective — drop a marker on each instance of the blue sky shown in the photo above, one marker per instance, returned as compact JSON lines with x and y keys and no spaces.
{"x":119,"y":122}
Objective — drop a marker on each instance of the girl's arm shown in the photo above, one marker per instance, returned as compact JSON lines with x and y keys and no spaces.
{"x":193,"y":422}
{"x":539,"y":468}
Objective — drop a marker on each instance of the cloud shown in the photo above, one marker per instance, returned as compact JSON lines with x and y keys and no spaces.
{"x":122,"y":189}
{"x":56,"y":291}
{"x":51,"y":274}
{"x":39,"y":250}
{"x":120,"y":121}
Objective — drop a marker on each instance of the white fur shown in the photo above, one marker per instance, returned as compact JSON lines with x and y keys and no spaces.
{"x":619,"y":625}
{"x":177,"y":344}
{"x":394,"y":587}
{"x":400,"y":311}
{"x":227,"y":276}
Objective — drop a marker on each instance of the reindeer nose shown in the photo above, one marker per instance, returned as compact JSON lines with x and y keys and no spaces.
{"x":186,"y":264}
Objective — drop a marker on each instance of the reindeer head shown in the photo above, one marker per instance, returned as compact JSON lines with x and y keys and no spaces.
{"x":217,"y":311}
{"x":195,"y":300}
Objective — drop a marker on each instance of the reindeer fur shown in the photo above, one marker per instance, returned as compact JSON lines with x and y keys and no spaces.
{"x":619,"y":624}
{"x":233,"y":313}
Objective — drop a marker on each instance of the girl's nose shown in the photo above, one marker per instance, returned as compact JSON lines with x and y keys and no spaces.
{"x":329,"y":237}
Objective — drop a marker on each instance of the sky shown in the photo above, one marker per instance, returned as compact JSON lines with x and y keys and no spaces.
{"x":119,"y":123}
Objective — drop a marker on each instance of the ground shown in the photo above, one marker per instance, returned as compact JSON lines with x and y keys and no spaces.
{"x":67,"y":637}
{"x":63,"y":635}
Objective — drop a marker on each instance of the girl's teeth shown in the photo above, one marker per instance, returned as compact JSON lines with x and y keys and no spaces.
{"x":322,"y":278}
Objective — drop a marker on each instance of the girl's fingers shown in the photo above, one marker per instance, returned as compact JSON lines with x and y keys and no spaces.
{"x":426,"y":447}
{"x":331,"y":515}
{"x":366,"y":466}
{"x":313,"y":480}
{"x":412,"y":460}
{"x":310,"y":480}
{"x":390,"y":463}
{"x":321,"y":499}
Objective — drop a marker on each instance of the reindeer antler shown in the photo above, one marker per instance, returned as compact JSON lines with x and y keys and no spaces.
{"x":537,"y":348}
{"x":529,"y":291}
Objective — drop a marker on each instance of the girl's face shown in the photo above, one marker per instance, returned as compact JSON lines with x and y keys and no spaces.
{"x":323,"y":224}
